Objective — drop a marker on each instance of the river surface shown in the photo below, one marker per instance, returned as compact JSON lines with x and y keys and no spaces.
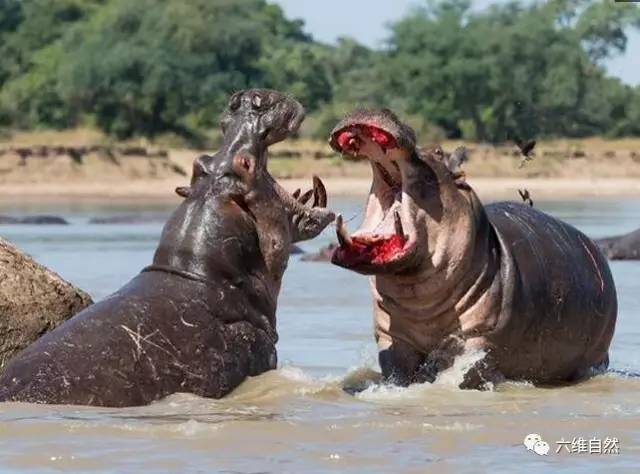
{"x":300,"y":418}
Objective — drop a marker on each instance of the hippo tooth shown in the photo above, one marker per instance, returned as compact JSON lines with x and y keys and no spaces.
{"x":398,"y":224}
{"x":306,"y":196}
{"x":319,"y":193}
{"x":341,"y":231}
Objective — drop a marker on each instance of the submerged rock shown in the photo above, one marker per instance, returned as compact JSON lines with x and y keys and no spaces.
{"x":295,"y":250}
{"x":33,"y":220}
{"x":129,"y":219}
{"x":322,"y":255}
{"x":33,"y":300}
{"x":621,"y":247}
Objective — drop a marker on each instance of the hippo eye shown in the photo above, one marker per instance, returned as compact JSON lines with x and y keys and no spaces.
{"x":256,"y":101}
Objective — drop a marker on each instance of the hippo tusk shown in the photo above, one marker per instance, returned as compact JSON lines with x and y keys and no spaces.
{"x":398,"y":224}
{"x":343,"y":234}
{"x":319,"y":193}
{"x":314,"y":220}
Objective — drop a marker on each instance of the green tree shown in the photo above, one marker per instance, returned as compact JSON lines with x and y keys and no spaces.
{"x":514,"y":70}
{"x":147,"y":67}
{"x":29,"y":32}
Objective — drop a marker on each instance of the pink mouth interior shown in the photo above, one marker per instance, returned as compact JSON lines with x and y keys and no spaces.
{"x":365,"y":251}
{"x":349,"y":140}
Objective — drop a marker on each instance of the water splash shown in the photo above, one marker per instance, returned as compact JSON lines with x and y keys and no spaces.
{"x":454,"y":376}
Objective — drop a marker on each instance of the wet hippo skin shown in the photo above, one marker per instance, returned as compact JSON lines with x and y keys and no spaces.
{"x":202,"y":316}
{"x":522,"y":294}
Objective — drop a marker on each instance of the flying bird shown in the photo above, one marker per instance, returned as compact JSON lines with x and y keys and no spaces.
{"x":526,"y":149}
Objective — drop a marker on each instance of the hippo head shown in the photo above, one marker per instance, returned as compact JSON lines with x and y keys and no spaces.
{"x":234,"y":215}
{"x":404,"y":212}
{"x":253,"y":120}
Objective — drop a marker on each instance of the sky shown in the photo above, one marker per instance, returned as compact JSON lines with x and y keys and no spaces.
{"x":366,"y":20}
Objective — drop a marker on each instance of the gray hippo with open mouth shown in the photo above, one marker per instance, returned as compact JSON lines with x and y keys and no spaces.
{"x":531,"y":295}
{"x":202,"y":316}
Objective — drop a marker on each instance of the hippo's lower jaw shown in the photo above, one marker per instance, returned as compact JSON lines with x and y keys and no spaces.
{"x":371,"y":253}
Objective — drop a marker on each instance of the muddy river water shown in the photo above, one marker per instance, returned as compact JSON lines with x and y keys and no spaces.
{"x":321,"y":410}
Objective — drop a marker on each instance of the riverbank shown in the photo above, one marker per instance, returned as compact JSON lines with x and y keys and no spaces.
{"x":85,"y":165}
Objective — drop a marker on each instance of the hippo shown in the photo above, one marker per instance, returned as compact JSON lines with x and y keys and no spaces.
{"x":202,"y":316}
{"x":621,"y":247}
{"x":522,"y":295}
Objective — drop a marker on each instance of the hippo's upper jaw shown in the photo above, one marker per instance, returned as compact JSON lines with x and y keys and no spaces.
{"x":387,"y":240}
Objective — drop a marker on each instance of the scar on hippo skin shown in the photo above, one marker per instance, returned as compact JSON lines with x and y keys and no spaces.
{"x":451,"y":277}
{"x":202,"y":316}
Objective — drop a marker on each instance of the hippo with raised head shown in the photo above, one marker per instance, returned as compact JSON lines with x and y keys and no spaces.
{"x":528,"y":295}
{"x":201,"y":317}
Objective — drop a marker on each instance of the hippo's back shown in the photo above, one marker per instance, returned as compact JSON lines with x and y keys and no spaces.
{"x":156,"y":336}
{"x":559,"y":294}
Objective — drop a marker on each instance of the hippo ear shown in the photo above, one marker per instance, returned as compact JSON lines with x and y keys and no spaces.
{"x":183,"y":191}
{"x":244,"y":165}
{"x":454,"y":162}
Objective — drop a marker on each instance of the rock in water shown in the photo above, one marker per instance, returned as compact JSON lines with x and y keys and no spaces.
{"x":33,"y":300}
{"x":33,"y":220}
{"x":621,"y":247}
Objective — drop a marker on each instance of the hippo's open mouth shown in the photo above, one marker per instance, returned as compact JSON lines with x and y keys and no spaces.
{"x":386,"y":240}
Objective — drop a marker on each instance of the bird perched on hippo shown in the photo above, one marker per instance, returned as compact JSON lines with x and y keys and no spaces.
{"x":528,"y":292}
{"x":202,"y":316}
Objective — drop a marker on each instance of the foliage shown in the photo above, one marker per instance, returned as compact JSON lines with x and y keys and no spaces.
{"x":150,"y":67}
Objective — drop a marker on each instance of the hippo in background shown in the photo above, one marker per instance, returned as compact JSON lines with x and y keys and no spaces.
{"x":530,"y":295}
{"x":202,"y":316}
